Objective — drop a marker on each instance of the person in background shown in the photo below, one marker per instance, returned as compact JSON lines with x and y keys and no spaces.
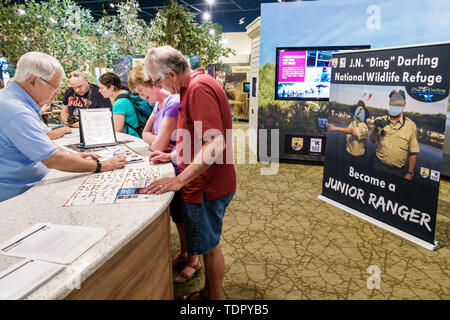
{"x":26,"y":152}
{"x":207,"y":181}
{"x":124,"y":115}
{"x":58,"y":131}
{"x":159,"y":129}
{"x":1,"y":85}
{"x":81,"y":95}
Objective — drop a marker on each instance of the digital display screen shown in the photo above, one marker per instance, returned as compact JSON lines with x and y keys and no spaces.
{"x":305,"y":73}
{"x":246,"y":86}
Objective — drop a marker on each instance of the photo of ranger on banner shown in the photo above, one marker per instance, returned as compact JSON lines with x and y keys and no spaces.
{"x":385,"y":139}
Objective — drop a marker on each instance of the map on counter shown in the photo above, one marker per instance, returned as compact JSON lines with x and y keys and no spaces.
{"x":110,"y":152}
{"x":117,"y":186}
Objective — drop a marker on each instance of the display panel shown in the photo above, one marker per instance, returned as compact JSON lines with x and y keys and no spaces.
{"x":303,"y":73}
{"x":246,"y":86}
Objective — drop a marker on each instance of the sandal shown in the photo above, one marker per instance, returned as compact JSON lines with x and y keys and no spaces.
{"x":179,"y":261}
{"x":200,"y":293}
{"x":187,"y":277}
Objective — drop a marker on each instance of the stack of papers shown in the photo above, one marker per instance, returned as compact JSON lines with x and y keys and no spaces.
{"x":46,"y":247}
{"x":109,"y":152}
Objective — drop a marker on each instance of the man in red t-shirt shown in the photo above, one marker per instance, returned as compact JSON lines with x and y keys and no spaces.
{"x":204,"y":155}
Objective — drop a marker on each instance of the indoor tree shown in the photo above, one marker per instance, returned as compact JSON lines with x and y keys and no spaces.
{"x":56,"y":27}
{"x":123,"y":33}
{"x":175,"y":25}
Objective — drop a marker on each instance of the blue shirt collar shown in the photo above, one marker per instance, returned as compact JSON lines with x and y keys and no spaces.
{"x":21,"y":93}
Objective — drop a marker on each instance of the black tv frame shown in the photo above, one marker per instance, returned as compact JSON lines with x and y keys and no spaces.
{"x":312,"y":48}
{"x":243,"y":86}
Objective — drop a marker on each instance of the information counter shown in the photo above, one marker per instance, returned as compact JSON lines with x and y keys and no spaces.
{"x":133,"y":260}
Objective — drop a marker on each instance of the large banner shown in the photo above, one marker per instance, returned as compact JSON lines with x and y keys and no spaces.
{"x":386,"y":135}
{"x":378,"y":23}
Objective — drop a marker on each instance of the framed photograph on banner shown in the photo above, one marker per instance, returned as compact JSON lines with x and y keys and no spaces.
{"x":97,"y":128}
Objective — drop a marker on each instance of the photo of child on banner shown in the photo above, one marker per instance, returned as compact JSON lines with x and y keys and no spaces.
{"x":386,"y":134}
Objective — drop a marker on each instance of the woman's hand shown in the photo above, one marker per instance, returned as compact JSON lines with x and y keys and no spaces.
{"x":159,"y":157}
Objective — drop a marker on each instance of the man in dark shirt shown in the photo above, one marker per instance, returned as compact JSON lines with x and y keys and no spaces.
{"x":81,"y":95}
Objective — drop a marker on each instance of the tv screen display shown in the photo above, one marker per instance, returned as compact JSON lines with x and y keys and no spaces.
{"x":303,"y":73}
{"x":246,"y":86}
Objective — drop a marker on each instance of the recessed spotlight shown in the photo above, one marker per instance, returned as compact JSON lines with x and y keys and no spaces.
{"x":206,"y":16}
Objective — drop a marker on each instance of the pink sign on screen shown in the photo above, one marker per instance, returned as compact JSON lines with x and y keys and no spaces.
{"x":292,"y":66}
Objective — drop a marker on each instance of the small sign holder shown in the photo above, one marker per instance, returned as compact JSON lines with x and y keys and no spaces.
{"x":97,"y":128}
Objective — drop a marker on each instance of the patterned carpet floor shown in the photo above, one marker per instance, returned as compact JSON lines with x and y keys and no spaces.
{"x":282,"y":243}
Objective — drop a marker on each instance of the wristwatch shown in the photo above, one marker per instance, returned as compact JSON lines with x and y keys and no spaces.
{"x":411,"y":173}
{"x":99,"y":166}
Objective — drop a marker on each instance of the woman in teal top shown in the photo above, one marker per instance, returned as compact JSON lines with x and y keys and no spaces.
{"x":125,"y":118}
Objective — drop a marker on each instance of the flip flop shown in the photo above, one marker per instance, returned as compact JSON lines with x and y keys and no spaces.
{"x":200,"y":293}
{"x":187,"y":277}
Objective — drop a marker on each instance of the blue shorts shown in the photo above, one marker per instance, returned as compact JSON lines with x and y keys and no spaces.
{"x":203,"y":222}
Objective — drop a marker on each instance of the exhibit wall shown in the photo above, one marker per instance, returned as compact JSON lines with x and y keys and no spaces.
{"x":377,"y":23}
{"x":388,"y":167}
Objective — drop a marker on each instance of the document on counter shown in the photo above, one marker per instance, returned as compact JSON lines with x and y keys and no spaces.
{"x":24,"y":277}
{"x":108,"y":152}
{"x":97,"y":128}
{"x":52,"y":242}
{"x":117,"y":186}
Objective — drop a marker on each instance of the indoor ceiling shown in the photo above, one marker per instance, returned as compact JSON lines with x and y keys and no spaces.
{"x":233,"y":15}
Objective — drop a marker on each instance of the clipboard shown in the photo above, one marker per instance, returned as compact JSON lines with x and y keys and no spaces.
{"x":97,"y":128}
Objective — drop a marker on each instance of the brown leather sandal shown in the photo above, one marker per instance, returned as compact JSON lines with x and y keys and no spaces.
{"x":187,"y":277}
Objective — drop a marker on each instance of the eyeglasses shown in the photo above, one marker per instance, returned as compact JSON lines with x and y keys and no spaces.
{"x":156,"y":83}
{"x":75,"y":75}
{"x":50,"y":84}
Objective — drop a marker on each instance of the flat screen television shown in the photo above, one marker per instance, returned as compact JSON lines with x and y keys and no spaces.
{"x":246,"y":86}
{"x":304,"y":73}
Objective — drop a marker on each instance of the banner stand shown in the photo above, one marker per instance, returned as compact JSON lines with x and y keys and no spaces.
{"x":383,"y":225}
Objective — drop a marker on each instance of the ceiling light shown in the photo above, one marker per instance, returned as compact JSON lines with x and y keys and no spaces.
{"x":206,"y":16}
{"x":210,"y":1}
{"x":211,"y":32}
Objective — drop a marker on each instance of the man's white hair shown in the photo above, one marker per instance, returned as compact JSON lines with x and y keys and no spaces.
{"x":160,"y":61}
{"x":39,"y":64}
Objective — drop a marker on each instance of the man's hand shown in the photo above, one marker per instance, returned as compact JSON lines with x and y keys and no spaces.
{"x":113,"y":163}
{"x":159,"y":157}
{"x":163,"y":185}
{"x":75,"y":125}
{"x":87,"y":155}
{"x":331,"y":127}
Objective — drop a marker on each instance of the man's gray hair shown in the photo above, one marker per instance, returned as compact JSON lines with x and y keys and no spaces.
{"x":39,"y":64}
{"x":160,"y":61}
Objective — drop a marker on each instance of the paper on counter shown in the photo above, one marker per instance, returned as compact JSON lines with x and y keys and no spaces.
{"x":24,"y":277}
{"x":52,"y":242}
